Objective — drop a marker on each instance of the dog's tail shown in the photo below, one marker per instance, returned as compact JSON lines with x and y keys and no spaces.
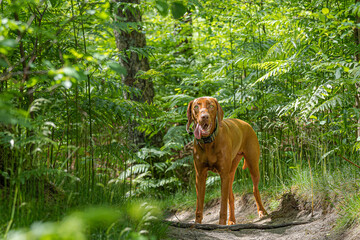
{"x":241,"y":155}
{"x":245,"y":165}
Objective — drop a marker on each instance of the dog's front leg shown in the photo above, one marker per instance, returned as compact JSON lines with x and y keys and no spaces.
{"x":225,"y":184}
{"x":201,"y":175}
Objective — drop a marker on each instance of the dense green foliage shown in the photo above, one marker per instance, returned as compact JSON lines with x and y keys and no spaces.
{"x":289,"y":68}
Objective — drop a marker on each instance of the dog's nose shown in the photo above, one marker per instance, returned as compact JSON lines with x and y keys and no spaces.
{"x":204,"y":116}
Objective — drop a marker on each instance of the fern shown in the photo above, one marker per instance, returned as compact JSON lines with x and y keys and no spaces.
{"x":146,"y":153}
{"x":244,"y":61}
{"x":320,"y":93}
{"x":175,"y":138}
{"x":132,"y":170}
{"x":39,"y":172}
{"x":212,"y":180}
{"x":181,"y":163}
{"x":178,"y":100}
{"x":155,"y":184}
{"x":161,"y":166}
{"x":332,"y":103}
{"x":274,"y":68}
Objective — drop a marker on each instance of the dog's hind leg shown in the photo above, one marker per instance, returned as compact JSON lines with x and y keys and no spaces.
{"x":252,"y":156}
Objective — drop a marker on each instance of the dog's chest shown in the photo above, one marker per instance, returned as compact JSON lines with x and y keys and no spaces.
{"x":208,"y":158}
{"x":211,"y":165}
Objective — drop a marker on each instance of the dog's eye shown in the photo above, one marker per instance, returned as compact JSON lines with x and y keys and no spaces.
{"x":211,"y":106}
{"x":196,"y":107}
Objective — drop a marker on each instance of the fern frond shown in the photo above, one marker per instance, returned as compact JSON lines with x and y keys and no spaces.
{"x":133,"y":170}
{"x":274,"y":68}
{"x":178,"y":99}
{"x":183,"y":162}
{"x":144,"y":185}
{"x":245,"y":61}
{"x":175,"y":138}
{"x":145,"y":153}
{"x":161,"y":166}
{"x":319,"y":93}
{"x":212,"y":180}
{"x":332,"y":103}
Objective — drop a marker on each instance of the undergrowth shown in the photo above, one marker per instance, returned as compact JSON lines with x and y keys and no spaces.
{"x":137,"y":220}
{"x":76,"y":211}
{"x":80,"y":211}
{"x":349,"y":211}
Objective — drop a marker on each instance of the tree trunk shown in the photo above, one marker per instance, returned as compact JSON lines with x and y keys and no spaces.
{"x":128,"y":42}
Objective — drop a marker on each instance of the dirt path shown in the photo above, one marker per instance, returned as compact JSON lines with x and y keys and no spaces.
{"x":321,"y":223}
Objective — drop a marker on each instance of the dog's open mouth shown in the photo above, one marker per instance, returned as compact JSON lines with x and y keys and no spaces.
{"x":205,"y":127}
{"x":202,"y":130}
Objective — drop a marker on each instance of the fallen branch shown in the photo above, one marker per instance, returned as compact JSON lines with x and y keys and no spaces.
{"x":235,"y":227}
{"x":349,"y":161}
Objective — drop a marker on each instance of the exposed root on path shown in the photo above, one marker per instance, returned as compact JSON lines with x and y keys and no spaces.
{"x":291,"y":220}
{"x":235,"y":227}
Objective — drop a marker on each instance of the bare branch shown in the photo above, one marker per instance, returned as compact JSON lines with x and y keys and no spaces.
{"x":7,"y":76}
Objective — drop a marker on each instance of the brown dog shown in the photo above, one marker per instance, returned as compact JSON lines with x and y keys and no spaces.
{"x":219,"y":146}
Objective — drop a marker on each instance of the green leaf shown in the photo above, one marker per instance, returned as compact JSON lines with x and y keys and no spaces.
{"x":338,"y":73}
{"x":195,"y":3}
{"x":8,"y":43}
{"x":162,"y":7}
{"x":325,"y":11}
{"x":31,"y":82}
{"x":70,"y":71}
{"x":178,"y":10}
{"x":54,"y":3}
{"x":117,"y":68}
{"x":3,"y":63}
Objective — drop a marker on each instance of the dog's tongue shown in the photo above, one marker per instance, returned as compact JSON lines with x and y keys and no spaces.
{"x":197,"y":131}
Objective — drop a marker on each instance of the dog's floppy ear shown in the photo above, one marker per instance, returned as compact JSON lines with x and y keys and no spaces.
{"x":189,"y":116}
{"x":220,"y":112}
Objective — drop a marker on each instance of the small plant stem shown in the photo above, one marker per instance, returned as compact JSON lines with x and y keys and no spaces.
{"x":12,"y":212}
{"x":232,"y":63}
{"x":312,"y":189}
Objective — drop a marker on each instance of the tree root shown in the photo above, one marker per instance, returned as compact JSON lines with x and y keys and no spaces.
{"x":235,"y":227}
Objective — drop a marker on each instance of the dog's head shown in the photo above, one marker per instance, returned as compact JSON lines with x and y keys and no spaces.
{"x":205,"y":112}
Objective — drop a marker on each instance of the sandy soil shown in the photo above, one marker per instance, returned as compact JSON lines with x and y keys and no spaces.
{"x":320,"y":224}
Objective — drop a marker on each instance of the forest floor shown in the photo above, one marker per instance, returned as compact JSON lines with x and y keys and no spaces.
{"x":319,"y":225}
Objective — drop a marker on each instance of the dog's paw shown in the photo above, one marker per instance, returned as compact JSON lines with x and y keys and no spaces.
{"x":262,"y":214}
{"x":231,"y":222}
